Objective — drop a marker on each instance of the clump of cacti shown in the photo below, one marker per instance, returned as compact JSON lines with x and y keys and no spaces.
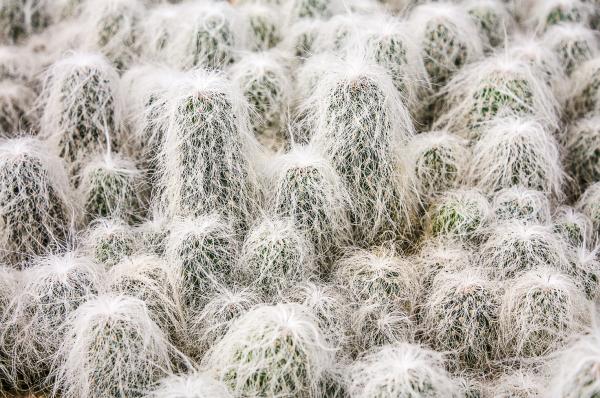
{"x":272,"y":351}
{"x":37,"y":210}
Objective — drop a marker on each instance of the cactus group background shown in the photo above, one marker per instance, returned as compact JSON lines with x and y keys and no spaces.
{"x":300,"y":198}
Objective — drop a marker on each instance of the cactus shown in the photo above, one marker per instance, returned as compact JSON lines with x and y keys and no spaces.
{"x":310,"y":9}
{"x":401,"y":370}
{"x":206,"y":156}
{"x":552,"y":12}
{"x":540,"y":310}
{"x":308,"y":190}
{"x":36,"y":206}
{"x":380,"y":277}
{"x":158,"y":31}
{"x":448,"y":37}
{"x":109,"y":241}
{"x":265,"y":82}
{"x":440,"y":160}
{"x":498,"y":87}
{"x":493,"y":20}
{"x":153,"y":281}
{"x":518,"y":203}
{"x":111,"y":348}
{"x":460,"y":316}
{"x":582,"y":144}
{"x":192,"y":385}
{"x":573,"y":44}
{"x":204,"y":250}
{"x":522,"y":384}
{"x":573,"y":226}
{"x":588,"y":204}
{"x":81,"y":109}
{"x":152,"y":235}
{"x":360,"y":124}
{"x":515,"y":247}
{"x":18,"y":64}
{"x":300,"y":40}
{"x":112,"y":187}
{"x":10,"y":282}
{"x":16,"y":102}
{"x":459,"y":214}
{"x":21,"y":18}
{"x":275,"y":256}
{"x":52,"y":289}
{"x":263,"y":25}
{"x":209,"y":324}
{"x":272,"y":351}
{"x":584,"y":94}
{"x":516,"y":152}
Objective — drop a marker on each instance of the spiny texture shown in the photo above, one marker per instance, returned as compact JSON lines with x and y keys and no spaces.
{"x":492,"y":19}
{"x":401,"y":370}
{"x":16,"y":102}
{"x":264,"y":25}
{"x":112,"y":187}
{"x":518,"y":203}
{"x":108,"y":241}
{"x":206,"y":156}
{"x":546,"y":14}
{"x":192,"y":385}
{"x":582,"y":144}
{"x":589,"y":204}
{"x":573,"y":226}
{"x":36,"y":203}
{"x":273,"y":351}
{"x":360,"y":125}
{"x":111,"y":348}
{"x":574,"y":44}
{"x":276,"y":255}
{"x":583,"y":94}
{"x":306,"y":188}
{"x":152,"y":235}
{"x":81,"y":109}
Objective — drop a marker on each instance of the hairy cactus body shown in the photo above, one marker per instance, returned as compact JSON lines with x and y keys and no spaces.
{"x":109,"y":241}
{"x":518,"y":203}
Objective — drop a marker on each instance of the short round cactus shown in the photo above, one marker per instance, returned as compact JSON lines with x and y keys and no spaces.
{"x":448,"y":37}
{"x":540,"y":310}
{"x":112,"y":187}
{"x":272,"y":351}
{"x":360,"y":125}
{"x":573,"y":44}
{"x":109,"y":241}
{"x":193,"y":385}
{"x":81,"y":109}
{"x":204,"y":250}
{"x":582,"y":144}
{"x":264,"y":80}
{"x":207,"y":133}
{"x":111,"y":348}
{"x":401,"y":370}
{"x":264,"y":27}
{"x":36,"y":204}
{"x":378,"y":276}
{"x":440,"y":161}
{"x":497,"y":87}
{"x":52,"y":289}
{"x":516,"y":152}
{"x":461,"y":316}
{"x":518,"y":203}
{"x":583,"y":97}
{"x":458,"y":214}
{"x":153,"y":281}
{"x":158,"y":32}
{"x":516,"y":247}
{"x":208,"y":325}
{"x":307,"y":189}
{"x":276,"y":255}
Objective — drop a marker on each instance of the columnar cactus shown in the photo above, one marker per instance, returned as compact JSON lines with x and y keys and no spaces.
{"x":573,"y":44}
{"x":583,"y":97}
{"x":111,"y":348}
{"x":10,"y":282}
{"x":458,"y":214}
{"x":494,"y":88}
{"x":401,"y":370}
{"x":272,"y":351}
{"x":36,"y":206}
{"x":361,"y":125}
{"x":204,"y":250}
{"x":449,"y":39}
{"x":109,"y":241}
{"x":112,"y":187}
{"x":340,"y":32}
{"x":52,"y":289}
{"x":113,"y":28}
{"x":518,"y":203}
{"x":493,"y":20}
{"x":81,"y":108}
{"x":306,"y":188}
{"x":582,"y":144}
{"x":206,"y":156}
{"x":460,"y":316}
{"x":440,"y":160}
{"x":153,"y":281}
{"x":16,"y":103}
{"x":264,"y":80}
{"x":276,"y":255}
{"x":18,"y":64}
{"x":193,"y":385}
{"x":209,"y":324}
{"x":516,"y":247}
{"x":540,"y":310}
{"x":517,"y":152}
{"x":264,"y":25}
